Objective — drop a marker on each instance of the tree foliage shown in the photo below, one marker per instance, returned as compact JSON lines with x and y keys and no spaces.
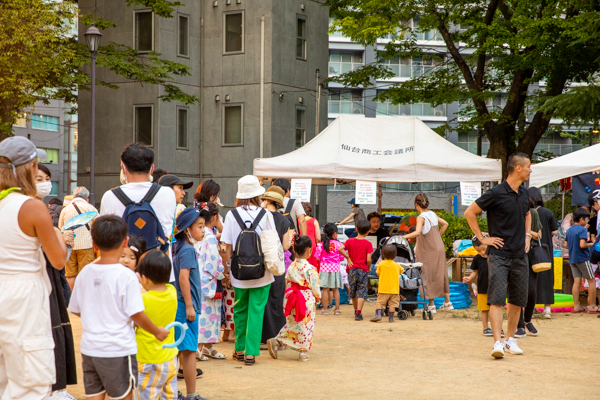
{"x":492,"y":55}
{"x":40,"y":59}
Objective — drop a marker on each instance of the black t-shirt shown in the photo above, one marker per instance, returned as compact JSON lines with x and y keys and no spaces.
{"x":480,"y":265}
{"x":506,"y":212}
{"x":380,"y":233}
{"x":282,"y":224}
{"x":592,"y":229}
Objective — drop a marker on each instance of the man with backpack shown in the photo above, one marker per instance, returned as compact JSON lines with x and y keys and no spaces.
{"x":83,"y":252}
{"x":292,"y":208}
{"x":148,"y":208}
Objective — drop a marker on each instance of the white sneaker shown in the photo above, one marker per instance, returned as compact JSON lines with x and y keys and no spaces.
{"x":547,"y":315}
{"x":498,"y":351}
{"x":512,"y":346}
{"x":61,"y":395}
{"x":432,"y":309}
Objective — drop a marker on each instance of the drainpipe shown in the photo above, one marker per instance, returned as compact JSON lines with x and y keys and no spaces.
{"x":262,"y":85}
{"x":201,"y":94}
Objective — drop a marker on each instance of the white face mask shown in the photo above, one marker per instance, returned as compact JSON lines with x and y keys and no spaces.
{"x":190,"y":238}
{"x":43,"y":189}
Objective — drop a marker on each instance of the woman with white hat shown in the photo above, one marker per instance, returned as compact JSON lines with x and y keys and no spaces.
{"x":250,"y":295}
{"x":27,"y":369}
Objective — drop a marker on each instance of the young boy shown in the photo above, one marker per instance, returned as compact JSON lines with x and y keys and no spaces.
{"x":107,"y":297}
{"x":360,"y":251}
{"x":157,"y":377}
{"x":389,"y":287}
{"x":479,"y":266}
{"x":579,"y":257}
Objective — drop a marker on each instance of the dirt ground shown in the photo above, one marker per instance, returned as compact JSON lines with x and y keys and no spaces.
{"x":446,"y":357}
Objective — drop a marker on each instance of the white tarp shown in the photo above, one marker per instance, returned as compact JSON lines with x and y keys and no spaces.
{"x":384,"y":150}
{"x":576,"y":163}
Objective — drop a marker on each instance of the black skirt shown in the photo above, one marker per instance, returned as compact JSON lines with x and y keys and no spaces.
{"x":274,"y":319}
{"x":64,"y":349}
{"x":545,"y":279}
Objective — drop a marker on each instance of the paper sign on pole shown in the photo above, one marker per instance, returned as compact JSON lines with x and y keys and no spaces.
{"x":366,"y":192}
{"x":301,"y":189}
{"x":470,"y":191}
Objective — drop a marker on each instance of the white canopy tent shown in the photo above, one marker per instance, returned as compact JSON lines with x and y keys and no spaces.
{"x":576,"y":163}
{"x":384,"y":150}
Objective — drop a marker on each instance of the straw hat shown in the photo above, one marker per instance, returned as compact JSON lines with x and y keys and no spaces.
{"x":274,"y":193}
{"x":249,"y":187}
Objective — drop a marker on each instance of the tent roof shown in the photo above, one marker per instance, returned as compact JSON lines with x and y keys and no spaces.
{"x":576,"y":163}
{"x":384,"y":150}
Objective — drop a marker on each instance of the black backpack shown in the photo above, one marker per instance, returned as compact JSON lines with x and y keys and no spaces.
{"x":142,"y":220}
{"x":288,"y":216}
{"x":248,"y":259}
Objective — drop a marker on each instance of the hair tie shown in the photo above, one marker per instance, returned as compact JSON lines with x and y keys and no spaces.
{"x":134,"y":249}
{"x":204,"y":206}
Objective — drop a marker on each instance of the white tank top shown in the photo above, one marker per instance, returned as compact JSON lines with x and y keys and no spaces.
{"x":18,"y":252}
{"x":430,"y":221}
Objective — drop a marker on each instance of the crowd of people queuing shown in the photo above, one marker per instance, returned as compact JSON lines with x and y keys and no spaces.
{"x":148,"y":260}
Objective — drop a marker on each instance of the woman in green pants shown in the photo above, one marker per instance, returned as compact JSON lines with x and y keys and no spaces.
{"x":250,"y":295}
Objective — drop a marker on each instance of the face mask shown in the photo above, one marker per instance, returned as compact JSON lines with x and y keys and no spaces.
{"x":190,"y":238}
{"x":43,"y":189}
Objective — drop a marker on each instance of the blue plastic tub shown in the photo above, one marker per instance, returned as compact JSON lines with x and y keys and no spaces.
{"x":459,"y":296}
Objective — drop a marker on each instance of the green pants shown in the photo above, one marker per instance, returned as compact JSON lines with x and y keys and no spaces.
{"x":248,"y":312}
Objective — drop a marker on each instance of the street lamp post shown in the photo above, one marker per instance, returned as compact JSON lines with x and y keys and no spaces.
{"x":92,"y":37}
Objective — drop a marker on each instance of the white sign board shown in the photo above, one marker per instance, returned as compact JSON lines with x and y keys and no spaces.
{"x":470,"y":191}
{"x":366,"y":192}
{"x":301,"y":189}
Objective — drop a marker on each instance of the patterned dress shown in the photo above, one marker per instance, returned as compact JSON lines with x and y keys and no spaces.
{"x":297,"y":335}
{"x":211,"y":270}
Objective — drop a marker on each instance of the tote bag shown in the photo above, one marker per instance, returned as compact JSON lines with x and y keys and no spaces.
{"x":539,"y":257}
{"x":273,"y":250}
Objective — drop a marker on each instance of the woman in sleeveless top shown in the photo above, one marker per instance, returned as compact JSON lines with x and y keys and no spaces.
{"x":313,"y":231}
{"x":431,"y":252}
{"x":27,"y":367}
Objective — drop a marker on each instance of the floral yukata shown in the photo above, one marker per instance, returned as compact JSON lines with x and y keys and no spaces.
{"x":211,"y":270}
{"x":300,"y":306}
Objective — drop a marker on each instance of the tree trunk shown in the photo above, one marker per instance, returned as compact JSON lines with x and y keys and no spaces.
{"x":6,"y":118}
{"x":502,"y":143}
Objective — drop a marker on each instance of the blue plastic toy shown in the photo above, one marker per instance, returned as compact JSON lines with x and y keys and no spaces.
{"x":183,"y":328}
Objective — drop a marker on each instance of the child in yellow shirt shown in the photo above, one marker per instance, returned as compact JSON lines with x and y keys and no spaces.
{"x":389,"y":287}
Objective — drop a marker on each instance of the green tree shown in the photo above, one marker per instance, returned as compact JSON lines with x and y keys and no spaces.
{"x":41,"y":60}
{"x":493,"y":52}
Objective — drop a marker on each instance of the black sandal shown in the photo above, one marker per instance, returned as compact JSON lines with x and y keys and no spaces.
{"x":238,"y":356}
{"x":199,"y":373}
{"x":249,"y":361}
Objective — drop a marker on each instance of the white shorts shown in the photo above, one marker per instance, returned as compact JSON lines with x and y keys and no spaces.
{"x":27,"y":369}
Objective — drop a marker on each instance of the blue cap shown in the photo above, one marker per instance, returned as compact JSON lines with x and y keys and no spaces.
{"x":353,"y":201}
{"x":187,"y":218}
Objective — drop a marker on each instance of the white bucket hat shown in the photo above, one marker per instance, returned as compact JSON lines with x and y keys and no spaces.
{"x":249,"y":187}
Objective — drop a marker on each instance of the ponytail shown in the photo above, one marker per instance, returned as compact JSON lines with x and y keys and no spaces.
{"x":329,"y":230}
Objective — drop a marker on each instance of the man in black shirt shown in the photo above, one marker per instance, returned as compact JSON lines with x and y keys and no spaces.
{"x":378,"y":231}
{"x":509,"y":225}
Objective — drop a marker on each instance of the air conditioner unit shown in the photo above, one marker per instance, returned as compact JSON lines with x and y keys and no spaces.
{"x":439,"y":113}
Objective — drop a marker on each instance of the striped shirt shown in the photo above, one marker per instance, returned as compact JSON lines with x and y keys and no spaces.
{"x":83,"y":237}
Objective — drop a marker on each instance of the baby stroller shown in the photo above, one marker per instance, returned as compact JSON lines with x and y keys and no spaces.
{"x":410,"y":281}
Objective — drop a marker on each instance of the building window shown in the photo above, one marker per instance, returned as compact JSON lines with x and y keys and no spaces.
{"x":52,"y":156}
{"x":182,"y":128}
{"x":301,"y":38}
{"x":54,"y":190}
{"x":337,"y":34}
{"x":341,"y":62}
{"x":143,"y":125}
{"x":234,"y":32}
{"x":233,"y":126}
{"x":300,"y":127}
{"x":44,"y":122}
{"x":144,"y":31}
{"x":346,"y":101}
{"x":416,"y":109}
{"x":413,"y":26}
{"x":21,"y":121}
{"x":468,"y":141}
{"x":412,"y":68}
{"x":184,"y":34}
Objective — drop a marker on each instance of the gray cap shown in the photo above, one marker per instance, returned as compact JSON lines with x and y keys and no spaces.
{"x":19,"y":150}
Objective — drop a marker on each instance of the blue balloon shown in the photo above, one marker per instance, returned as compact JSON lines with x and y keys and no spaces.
{"x":183,"y":328}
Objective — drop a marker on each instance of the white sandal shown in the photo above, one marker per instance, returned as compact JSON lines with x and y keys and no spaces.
{"x":200,"y":357}
{"x":213,"y":353}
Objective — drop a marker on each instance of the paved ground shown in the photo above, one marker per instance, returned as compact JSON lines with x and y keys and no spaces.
{"x":444,"y":358}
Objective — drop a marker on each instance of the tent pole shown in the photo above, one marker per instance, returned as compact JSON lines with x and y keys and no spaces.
{"x":562,"y":211}
{"x":379,"y":198}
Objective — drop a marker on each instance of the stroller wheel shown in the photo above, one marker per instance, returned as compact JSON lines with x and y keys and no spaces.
{"x":403,"y":315}
{"x":412,"y":312}
{"x":424,"y":315}
{"x":430,"y":315}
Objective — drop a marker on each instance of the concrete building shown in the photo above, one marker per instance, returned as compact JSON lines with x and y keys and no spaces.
{"x":345,"y":56}
{"x":254,"y":66}
{"x":51,"y":128}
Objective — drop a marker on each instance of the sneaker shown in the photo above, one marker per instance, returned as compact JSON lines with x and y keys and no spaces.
{"x":358,"y":317}
{"x":487,"y":332}
{"x":180,"y":396}
{"x":502,"y":333}
{"x":61,"y":395}
{"x":498,"y":351}
{"x":319,"y":306}
{"x":329,"y":307}
{"x":531,"y":329}
{"x":546,"y":315}
{"x":512,"y":346}
{"x":198,"y":397}
{"x":520,"y":333}
{"x":432,"y":309}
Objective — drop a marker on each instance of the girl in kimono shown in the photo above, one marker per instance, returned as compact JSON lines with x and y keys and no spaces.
{"x":301,"y":296}
{"x":211,"y":272}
